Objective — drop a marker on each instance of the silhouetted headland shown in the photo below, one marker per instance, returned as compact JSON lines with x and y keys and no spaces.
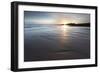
{"x":79,"y":24}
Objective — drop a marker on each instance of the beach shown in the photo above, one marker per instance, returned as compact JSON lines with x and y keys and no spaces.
{"x":42,"y":43}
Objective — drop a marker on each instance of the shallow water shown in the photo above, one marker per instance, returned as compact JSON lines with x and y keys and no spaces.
{"x":56,"y":42}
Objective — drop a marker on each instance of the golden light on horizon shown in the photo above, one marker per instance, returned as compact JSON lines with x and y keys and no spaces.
{"x":65,"y":22}
{"x":62,"y":20}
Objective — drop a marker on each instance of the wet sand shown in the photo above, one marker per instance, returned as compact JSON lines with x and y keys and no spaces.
{"x":56,"y":43}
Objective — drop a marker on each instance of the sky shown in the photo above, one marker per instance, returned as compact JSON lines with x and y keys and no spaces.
{"x":36,"y":17}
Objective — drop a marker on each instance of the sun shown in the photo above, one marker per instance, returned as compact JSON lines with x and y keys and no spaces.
{"x":65,"y":22}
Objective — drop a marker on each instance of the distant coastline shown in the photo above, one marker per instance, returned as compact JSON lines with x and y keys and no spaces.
{"x":49,"y":25}
{"x":79,"y":24}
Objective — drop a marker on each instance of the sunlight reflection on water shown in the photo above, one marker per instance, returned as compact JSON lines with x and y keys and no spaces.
{"x":64,"y":33}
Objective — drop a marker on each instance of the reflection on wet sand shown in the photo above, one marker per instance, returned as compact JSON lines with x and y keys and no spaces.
{"x":56,"y":43}
{"x":64,"y":33}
